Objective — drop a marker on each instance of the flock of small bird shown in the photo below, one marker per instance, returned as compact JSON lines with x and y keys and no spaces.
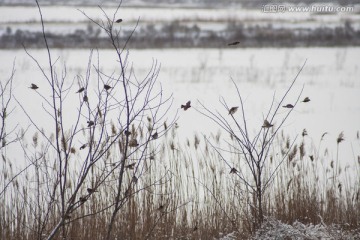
{"x":90,"y":123}
{"x":134,"y":143}
{"x":233,"y":110}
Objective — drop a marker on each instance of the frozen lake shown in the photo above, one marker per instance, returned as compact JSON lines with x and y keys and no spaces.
{"x":331,"y":79}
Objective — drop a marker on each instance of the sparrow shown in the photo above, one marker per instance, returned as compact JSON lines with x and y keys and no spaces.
{"x":304,"y":133}
{"x":90,"y":123}
{"x":91,"y":190}
{"x":233,"y":43}
{"x":267,"y":124}
{"x":233,"y":170}
{"x":80,"y":90}
{"x":72,"y":150}
{"x":33,"y":86}
{"x":133,"y":143}
{"x":127,"y":133}
{"x":107,"y":87}
{"x":85,"y":98}
{"x":186,"y":106}
{"x":119,"y":20}
{"x":233,"y":110}
{"x":288,"y":106}
{"x":311,"y":157}
{"x":307,"y":99}
{"x":130,"y":166}
{"x":83,"y":146}
{"x":83,"y":199}
{"x":155,"y":135}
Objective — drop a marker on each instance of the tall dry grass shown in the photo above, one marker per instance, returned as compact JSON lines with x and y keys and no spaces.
{"x":194,"y":195}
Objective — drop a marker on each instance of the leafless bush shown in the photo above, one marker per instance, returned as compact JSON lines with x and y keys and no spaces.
{"x":253,"y":150}
{"x":103,"y":140}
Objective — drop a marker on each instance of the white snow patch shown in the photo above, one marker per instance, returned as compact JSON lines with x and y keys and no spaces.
{"x":275,"y":229}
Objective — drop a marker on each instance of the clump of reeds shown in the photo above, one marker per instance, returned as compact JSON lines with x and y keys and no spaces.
{"x":196,"y":197}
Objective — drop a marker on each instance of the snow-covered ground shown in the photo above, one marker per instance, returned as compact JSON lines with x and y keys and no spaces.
{"x":275,"y":229}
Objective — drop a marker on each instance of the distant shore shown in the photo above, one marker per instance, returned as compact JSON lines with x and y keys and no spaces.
{"x":175,"y":36}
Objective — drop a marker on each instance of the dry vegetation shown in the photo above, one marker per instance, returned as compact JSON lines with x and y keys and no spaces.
{"x":156,"y":187}
{"x":194,"y":197}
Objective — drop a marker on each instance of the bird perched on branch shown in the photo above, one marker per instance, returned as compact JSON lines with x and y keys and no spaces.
{"x":91,"y":190}
{"x":288,"y":106}
{"x":233,"y":110}
{"x":267,"y":124}
{"x":233,"y":170}
{"x":155,"y":135}
{"x":80,"y":90}
{"x":83,"y":146}
{"x":133,"y":143}
{"x":33,"y":86}
{"x":83,"y":199}
{"x":85,"y":98}
{"x":107,"y":87}
{"x":119,"y":20}
{"x":307,"y":99}
{"x":186,"y":106}
{"x":234,"y":43}
{"x":90,"y":123}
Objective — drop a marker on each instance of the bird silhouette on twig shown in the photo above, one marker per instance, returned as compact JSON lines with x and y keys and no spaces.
{"x":288,"y":106}
{"x":90,"y":123}
{"x":83,"y":146}
{"x":133,"y":143}
{"x":119,"y":20}
{"x":107,"y":87}
{"x":83,"y":199}
{"x":233,"y":170}
{"x":233,"y":110}
{"x":91,"y":190}
{"x":307,"y":99}
{"x":34,"y":86}
{"x":186,"y":106}
{"x":155,"y":135}
{"x":80,"y":90}
{"x":267,"y":124}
